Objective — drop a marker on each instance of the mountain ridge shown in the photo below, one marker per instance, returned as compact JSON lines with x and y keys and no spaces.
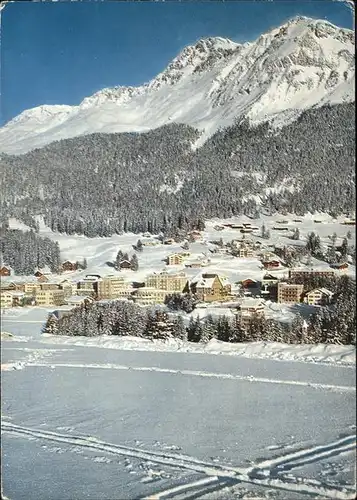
{"x":210,"y":85}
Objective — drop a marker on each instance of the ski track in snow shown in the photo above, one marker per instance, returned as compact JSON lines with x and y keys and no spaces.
{"x":264,"y":474}
{"x":193,"y":373}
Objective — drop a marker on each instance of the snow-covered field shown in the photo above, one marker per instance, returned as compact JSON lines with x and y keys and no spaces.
{"x":125,"y":418}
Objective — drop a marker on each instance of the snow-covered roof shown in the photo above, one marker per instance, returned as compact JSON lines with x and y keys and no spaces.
{"x":89,"y":280}
{"x":76,"y":299}
{"x":60,"y":313}
{"x":206,"y":280}
{"x":251,"y":303}
{"x":206,"y":283}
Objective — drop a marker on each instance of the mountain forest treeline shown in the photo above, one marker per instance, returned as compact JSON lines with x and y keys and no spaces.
{"x":101,"y":184}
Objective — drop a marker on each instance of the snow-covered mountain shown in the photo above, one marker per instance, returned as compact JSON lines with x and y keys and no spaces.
{"x":209,"y":85}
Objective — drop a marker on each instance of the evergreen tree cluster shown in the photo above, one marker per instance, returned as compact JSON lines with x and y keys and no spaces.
{"x":102,"y":184}
{"x":335,"y":323}
{"x":181,"y":302}
{"x":24,"y":251}
{"x":120,"y":257}
{"x":120,"y":318}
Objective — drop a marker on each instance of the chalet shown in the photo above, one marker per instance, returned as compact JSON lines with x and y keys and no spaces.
{"x":42,"y":275}
{"x":124,"y":264}
{"x":289,"y":293}
{"x":210,"y":287}
{"x":297,"y":220}
{"x":5,"y":271}
{"x":236,"y":226}
{"x":69,"y":266}
{"x":169,"y":241}
{"x":195,"y":265}
{"x":271,"y":264}
{"x":195,"y":235}
{"x":318,"y":297}
{"x":245,"y":230}
{"x":349,"y":222}
{"x":342,"y":266}
{"x":249,"y":283}
{"x":43,"y":278}
{"x":284,"y":221}
{"x":280,"y":228}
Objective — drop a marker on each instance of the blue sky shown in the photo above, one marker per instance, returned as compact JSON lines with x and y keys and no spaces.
{"x":61,"y":52}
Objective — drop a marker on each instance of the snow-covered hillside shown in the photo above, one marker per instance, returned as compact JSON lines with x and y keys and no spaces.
{"x":302,"y":64}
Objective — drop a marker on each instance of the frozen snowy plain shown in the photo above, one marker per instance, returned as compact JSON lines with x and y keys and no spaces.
{"x":122,"y":422}
{"x":125,"y":418}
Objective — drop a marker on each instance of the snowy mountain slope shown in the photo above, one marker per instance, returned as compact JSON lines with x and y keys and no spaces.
{"x":209,"y":85}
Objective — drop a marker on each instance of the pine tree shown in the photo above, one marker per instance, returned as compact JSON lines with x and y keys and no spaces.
{"x":263,"y":231}
{"x":331,"y":255}
{"x":298,"y":330}
{"x":344,"y":249}
{"x":208,"y":331}
{"x":178,"y":329}
{"x":334,"y":239}
{"x":139,"y":246}
{"x":134,"y":263}
{"x":118,"y":259}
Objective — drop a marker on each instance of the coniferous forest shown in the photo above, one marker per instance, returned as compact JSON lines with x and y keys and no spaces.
{"x":102,"y":184}
{"x":24,"y":251}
